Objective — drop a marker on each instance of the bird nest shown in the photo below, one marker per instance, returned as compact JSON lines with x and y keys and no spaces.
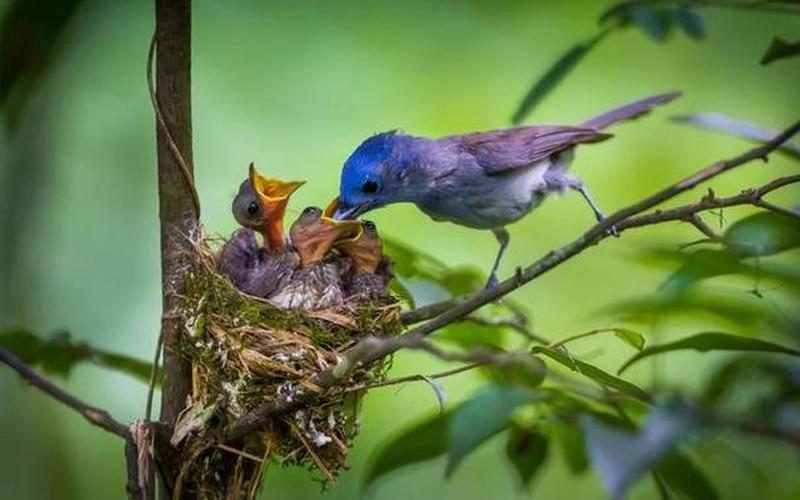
{"x":246,"y":352}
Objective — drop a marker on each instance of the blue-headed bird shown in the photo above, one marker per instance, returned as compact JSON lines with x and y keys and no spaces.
{"x":482,"y":180}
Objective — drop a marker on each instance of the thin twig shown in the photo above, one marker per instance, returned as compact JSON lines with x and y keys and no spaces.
{"x":94,"y":415}
{"x":775,"y":208}
{"x":176,"y":152}
{"x":429,"y":311}
{"x":701,"y":226}
{"x":241,"y":453}
{"x":417,"y":377}
{"x":148,"y":410}
{"x":320,"y":464}
{"x":559,"y":343}
{"x":369,"y":350}
{"x":514,"y":324}
{"x":747,"y":197}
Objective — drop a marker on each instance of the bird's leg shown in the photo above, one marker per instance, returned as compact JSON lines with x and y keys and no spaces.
{"x":502,"y":238}
{"x":579,"y":186}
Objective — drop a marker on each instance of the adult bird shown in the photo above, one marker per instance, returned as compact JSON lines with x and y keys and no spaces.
{"x":259,"y":206}
{"x":482,"y":180}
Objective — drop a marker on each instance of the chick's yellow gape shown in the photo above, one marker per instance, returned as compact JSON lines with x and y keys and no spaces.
{"x":306,"y":273}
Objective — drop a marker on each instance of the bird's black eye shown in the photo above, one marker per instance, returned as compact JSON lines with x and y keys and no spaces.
{"x":369,"y":226}
{"x":252,"y":208}
{"x":312,"y":211}
{"x":370,"y":187}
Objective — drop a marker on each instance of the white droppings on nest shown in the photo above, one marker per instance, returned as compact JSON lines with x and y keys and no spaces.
{"x":288,"y":391}
{"x":281,"y":357}
{"x":189,"y":326}
{"x":232,"y":393}
{"x":320,"y":439}
{"x":306,"y":425}
{"x":299,"y":353}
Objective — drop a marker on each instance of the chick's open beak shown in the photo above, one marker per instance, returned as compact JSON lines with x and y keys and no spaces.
{"x":365,"y":249}
{"x":315,"y":239}
{"x":273,"y":196}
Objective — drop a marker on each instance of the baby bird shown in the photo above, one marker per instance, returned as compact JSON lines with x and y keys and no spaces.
{"x":317,"y":283}
{"x":371,"y":271}
{"x":260,"y":206}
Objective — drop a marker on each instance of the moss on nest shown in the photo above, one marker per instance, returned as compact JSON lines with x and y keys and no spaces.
{"x":245,"y":352}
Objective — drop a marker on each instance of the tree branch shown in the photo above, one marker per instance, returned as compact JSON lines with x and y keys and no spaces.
{"x":371,"y":349}
{"x":177,"y":211}
{"x":418,"y":377}
{"x":95,"y":416}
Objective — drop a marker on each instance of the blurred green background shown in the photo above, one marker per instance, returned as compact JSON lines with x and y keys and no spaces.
{"x":295,"y":86}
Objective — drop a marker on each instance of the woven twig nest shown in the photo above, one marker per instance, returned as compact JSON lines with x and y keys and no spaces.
{"x":246,"y":351}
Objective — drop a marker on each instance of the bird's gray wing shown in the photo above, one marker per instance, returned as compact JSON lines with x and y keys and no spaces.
{"x":498,"y":151}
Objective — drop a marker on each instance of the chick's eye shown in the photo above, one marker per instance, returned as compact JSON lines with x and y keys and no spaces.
{"x":369,"y":225}
{"x":370,"y":187}
{"x":252,"y":208}
{"x":311,"y":211}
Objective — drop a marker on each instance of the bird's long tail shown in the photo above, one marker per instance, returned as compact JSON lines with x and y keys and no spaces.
{"x":629,"y":111}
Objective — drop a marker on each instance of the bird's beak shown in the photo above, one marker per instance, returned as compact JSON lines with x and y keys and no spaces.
{"x":337,"y":210}
{"x":273,"y":195}
{"x":332,"y":208}
{"x":366,"y":252}
{"x":316,"y":240}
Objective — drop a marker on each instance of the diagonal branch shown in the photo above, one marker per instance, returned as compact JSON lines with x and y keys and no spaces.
{"x":94,"y":415}
{"x":372,"y":349}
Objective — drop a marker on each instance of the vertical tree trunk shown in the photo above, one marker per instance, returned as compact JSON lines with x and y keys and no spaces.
{"x":176,"y":209}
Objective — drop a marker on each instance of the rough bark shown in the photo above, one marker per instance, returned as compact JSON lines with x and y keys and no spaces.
{"x":176,"y":210}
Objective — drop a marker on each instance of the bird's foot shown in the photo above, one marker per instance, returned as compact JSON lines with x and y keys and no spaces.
{"x":491,"y":282}
{"x":612,"y":229}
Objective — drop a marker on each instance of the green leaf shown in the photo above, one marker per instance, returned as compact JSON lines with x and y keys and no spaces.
{"x":529,"y":371}
{"x":419,"y":443}
{"x":780,"y":49}
{"x":682,"y":475}
{"x":711,"y":341}
{"x":572,"y":442}
{"x":700,"y":265}
{"x":689,"y":21}
{"x":397,"y":288}
{"x":737,"y":128}
{"x":58,"y":355}
{"x":439,"y":391}
{"x":750,"y":385}
{"x":480,"y":418}
{"x":630,"y":337}
{"x":654,"y":22}
{"x":622,"y":457}
{"x":469,"y":335}
{"x":413,"y":263}
{"x":738,"y":310}
{"x":763,"y":233}
{"x":593,"y":372}
{"x":30,"y":45}
{"x":527,"y":450}
{"x":554,"y":75}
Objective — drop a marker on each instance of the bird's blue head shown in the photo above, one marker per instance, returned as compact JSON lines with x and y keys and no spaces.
{"x":372,"y":176}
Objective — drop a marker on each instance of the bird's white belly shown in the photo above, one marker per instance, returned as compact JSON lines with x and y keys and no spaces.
{"x":498,"y":201}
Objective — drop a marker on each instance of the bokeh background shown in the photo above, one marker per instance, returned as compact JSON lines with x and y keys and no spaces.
{"x":295,"y":86}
